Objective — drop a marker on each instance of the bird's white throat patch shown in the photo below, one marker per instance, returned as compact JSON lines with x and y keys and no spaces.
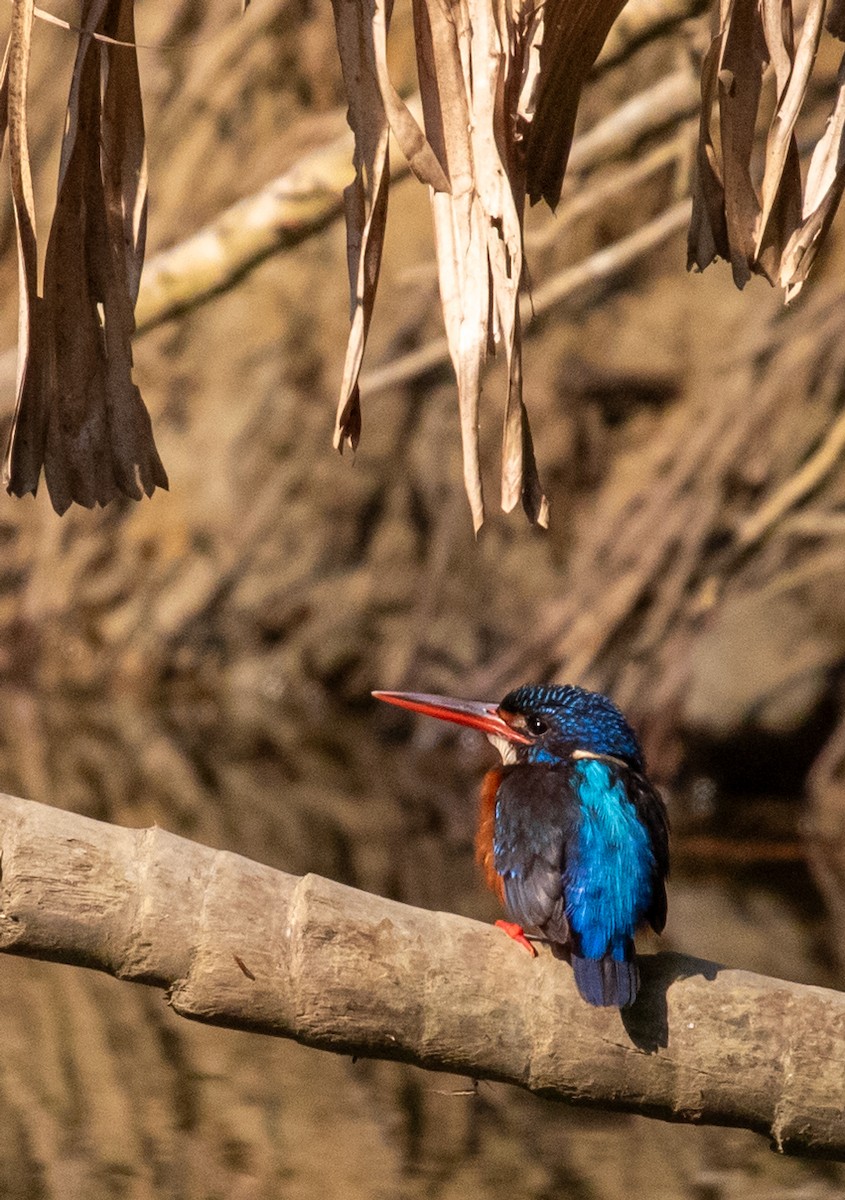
{"x":506,"y":749}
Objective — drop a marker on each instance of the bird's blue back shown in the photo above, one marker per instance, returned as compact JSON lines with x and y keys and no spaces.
{"x":609,"y":869}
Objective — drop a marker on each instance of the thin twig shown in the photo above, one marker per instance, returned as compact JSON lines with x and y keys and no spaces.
{"x":804,"y":481}
{"x":598,"y":268}
{"x":663,"y":104}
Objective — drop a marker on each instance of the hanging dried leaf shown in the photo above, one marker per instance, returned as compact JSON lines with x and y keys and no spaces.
{"x":739,"y":81}
{"x":500,"y":183}
{"x":365,"y":199}
{"x":782,"y":173}
{"x":124,"y":153}
{"x":500,"y":86}
{"x":570,"y":37}
{"x":443,"y":48}
{"x":825,"y":184}
{"x":470,"y":61}
{"x":708,"y":231}
{"x":412,"y":142}
{"x":28,"y":421}
{"x":119,"y":247}
{"x":79,"y":414}
{"x":776,"y":232}
{"x":827,"y":158}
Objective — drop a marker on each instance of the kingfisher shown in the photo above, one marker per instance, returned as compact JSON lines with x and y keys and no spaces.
{"x":572,"y":837}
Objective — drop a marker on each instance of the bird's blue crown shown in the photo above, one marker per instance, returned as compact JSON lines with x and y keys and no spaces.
{"x":574,"y":719}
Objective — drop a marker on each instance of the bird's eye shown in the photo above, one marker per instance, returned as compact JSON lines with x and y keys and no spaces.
{"x":535,"y":725}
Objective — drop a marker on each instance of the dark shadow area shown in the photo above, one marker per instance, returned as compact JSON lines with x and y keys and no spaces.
{"x":646,"y":1021}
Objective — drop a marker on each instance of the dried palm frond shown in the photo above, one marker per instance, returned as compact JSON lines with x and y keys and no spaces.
{"x":79,"y":415}
{"x":500,"y":89}
{"x":775,"y":230}
{"x":500,"y":85}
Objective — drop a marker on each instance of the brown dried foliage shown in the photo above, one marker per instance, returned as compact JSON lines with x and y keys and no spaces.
{"x":500,"y":85}
{"x":79,"y":415}
{"x":500,"y":88}
{"x":775,"y":229}
{"x":498,"y":124}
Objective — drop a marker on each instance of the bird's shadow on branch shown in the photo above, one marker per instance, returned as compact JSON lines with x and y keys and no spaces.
{"x":647,"y":1020}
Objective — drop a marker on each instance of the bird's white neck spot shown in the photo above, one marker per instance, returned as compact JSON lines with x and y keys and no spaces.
{"x":506,"y":749}
{"x":608,"y":758}
{"x":508,"y":752}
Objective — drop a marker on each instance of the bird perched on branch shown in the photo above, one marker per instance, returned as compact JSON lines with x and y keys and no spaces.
{"x":572,"y":837}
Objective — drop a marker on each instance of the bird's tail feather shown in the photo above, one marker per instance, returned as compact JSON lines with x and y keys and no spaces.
{"x":606,"y":983}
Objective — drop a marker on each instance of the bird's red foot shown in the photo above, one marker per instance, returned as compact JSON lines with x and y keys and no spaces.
{"x":518,"y":934}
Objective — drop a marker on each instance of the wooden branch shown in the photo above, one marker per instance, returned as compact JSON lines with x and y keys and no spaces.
{"x":238,"y":944}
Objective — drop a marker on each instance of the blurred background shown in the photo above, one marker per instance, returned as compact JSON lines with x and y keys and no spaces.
{"x":203,"y":660}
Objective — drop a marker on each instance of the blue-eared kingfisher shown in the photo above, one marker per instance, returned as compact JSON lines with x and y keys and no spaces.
{"x":572,"y":837}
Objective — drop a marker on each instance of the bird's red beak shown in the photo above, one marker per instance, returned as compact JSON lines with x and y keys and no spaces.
{"x":474,"y":713}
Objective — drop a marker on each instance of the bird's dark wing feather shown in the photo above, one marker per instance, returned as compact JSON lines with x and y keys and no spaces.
{"x":652,"y":812}
{"x":534,"y":898}
{"x":534,"y":819}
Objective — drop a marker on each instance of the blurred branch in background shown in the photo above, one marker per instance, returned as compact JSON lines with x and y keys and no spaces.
{"x":599,"y":268}
{"x":666,"y":553}
{"x":294,"y":206}
{"x":238,"y":944}
{"x":305,"y":198}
